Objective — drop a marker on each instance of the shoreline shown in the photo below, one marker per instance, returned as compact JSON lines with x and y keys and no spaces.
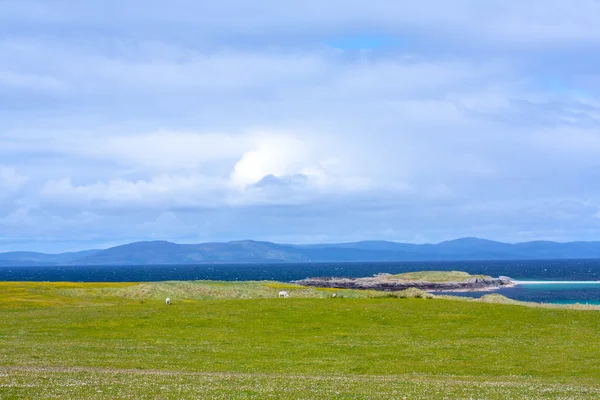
{"x":475,"y":290}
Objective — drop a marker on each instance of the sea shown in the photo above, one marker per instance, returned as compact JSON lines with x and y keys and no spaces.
{"x":542,"y":281}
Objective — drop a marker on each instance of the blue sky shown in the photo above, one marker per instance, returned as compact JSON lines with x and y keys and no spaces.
{"x":307,"y":122}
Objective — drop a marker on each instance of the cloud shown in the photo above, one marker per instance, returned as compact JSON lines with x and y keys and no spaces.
{"x":10,"y":182}
{"x":14,"y":79}
{"x":169,"y":150}
{"x":10,"y":179}
{"x":311,"y":121}
{"x":533,"y":21}
{"x":277,"y":156}
{"x":158,"y":192}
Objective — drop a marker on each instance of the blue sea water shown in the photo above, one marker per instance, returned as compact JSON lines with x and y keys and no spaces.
{"x":587,"y":293}
{"x":544,"y":270}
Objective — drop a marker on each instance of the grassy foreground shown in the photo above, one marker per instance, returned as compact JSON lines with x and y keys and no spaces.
{"x":237,"y":340}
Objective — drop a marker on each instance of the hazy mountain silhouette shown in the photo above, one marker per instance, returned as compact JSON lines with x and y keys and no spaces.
{"x":249,"y":251}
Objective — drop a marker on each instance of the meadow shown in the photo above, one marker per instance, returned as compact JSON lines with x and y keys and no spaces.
{"x":238,"y":340}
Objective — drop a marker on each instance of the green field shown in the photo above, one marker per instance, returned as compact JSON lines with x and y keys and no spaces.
{"x":238,"y":340}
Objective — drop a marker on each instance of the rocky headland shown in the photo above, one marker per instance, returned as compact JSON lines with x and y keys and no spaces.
{"x":433,"y":281}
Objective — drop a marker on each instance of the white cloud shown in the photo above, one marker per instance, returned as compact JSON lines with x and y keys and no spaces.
{"x":159,"y":191}
{"x":257,"y":124}
{"x":564,"y":141}
{"x":17,"y":219}
{"x":274,"y":155}
{"x":10,"y":181}
{"x":172,"y":150}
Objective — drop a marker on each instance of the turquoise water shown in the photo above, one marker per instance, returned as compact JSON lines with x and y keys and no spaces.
{"x":556,"y":293}
{"x":564,"y":293}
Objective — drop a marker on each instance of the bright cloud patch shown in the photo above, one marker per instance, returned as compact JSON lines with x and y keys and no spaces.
{"x":278,"y":156}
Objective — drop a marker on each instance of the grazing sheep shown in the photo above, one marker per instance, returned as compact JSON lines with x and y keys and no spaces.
{"x":283,"y":294}
{"x":334,"y":295}
{"x":168,"y":301}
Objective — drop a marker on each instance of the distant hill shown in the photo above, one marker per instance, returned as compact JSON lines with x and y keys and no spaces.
{"x":18,"y":258}
{"x":249,"y":251}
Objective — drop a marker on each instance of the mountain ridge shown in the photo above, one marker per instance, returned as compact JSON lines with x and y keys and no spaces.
{"x":251,"y":251}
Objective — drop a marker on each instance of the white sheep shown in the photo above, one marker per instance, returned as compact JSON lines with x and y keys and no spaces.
{"x":168,"y":301}
{"x":334,"y":295}
{"x":283,"y":294}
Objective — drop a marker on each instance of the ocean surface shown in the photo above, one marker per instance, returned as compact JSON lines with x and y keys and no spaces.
{"x":541,"y":272}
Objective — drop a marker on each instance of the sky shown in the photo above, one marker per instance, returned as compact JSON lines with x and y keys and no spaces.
{"x":297,"y":122}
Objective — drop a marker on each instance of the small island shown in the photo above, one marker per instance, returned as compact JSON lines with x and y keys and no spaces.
{"x":433,"y":281}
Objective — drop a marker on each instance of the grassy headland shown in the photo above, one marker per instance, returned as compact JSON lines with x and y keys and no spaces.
{"x":438,"y":276}
{"x":237,"y":340}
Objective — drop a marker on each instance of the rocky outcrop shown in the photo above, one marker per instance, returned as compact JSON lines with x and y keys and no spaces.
{"x":389,"y":283}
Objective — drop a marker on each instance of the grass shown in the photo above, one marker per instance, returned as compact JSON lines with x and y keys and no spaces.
{"x":237,"y":340}
{"x":44,"y":294}
{"x":437,"y":276}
